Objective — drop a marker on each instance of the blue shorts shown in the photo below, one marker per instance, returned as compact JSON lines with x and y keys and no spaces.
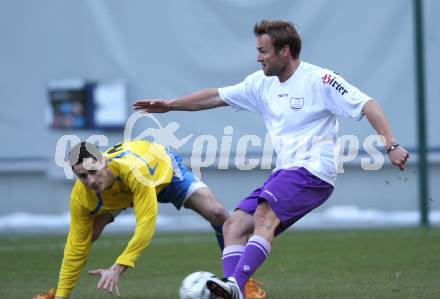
{"x":182,"y":185}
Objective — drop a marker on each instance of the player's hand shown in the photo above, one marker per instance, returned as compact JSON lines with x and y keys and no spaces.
{"x":399,"y":157}
{"x":152,"y":105}
{"x":109,"y":278}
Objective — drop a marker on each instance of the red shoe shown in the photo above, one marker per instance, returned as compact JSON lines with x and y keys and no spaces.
{"x":253,"y":290}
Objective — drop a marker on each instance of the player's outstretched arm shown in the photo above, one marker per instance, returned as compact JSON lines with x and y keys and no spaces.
{"x":200,"y":100}
{"x":77,"y":247}
{"x":375,"y":115}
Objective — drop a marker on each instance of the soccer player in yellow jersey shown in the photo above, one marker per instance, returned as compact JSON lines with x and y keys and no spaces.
{"x":136,"y":174}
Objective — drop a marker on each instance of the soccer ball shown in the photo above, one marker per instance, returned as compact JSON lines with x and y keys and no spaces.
{"x":194,"y":286}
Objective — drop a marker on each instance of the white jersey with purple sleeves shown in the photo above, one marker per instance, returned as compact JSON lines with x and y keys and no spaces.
{"x":300,"y":114}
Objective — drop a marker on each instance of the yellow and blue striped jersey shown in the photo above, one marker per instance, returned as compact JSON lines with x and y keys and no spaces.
{"x":141,"y":170}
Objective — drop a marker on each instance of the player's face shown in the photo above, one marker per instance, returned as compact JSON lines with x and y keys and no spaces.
{"x":94,"y":174}
{"x":271,"y":61}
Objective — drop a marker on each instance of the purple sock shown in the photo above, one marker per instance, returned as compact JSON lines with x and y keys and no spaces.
{"x":255,"y":253}
{"x":230,"y":258}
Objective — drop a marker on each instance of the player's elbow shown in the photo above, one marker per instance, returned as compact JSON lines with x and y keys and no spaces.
{"x":370,"y":107}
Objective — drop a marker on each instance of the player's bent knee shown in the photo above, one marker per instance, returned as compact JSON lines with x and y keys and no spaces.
{"x":229,"y":226}
{"x":266,"y":228}
{"x":218,"y":215}
{"x":265,"y":220}
{"x":238,"y":225}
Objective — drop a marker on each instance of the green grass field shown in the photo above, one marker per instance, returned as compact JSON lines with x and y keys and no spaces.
{"x":401,"y":263}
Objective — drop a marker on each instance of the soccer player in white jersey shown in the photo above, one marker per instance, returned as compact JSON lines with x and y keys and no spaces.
{"x":299,"y":103}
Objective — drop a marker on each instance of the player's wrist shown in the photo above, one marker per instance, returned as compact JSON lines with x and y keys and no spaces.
{"x":389,"y":140}
{"x":118,"y":268}
{"x":392,"y":147}
{"x":170,"y":104}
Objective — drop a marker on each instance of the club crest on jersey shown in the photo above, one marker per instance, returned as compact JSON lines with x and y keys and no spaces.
{"x":330,"y":80}
{"x":296,"y":103}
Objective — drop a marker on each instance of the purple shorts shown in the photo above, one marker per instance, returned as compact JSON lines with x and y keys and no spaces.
{"x":291,"y":193}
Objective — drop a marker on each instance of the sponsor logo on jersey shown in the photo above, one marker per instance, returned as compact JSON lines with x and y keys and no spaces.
{"x":296,"y":103}
{"x":330,"y":79}
{"x":283,"y":95}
